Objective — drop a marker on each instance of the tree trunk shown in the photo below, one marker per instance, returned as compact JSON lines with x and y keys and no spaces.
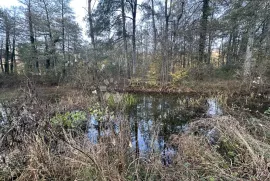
{"x":13,"y":56}
{"x":125,"y":38}
{"x":220,"y":52}
{"x":174,"y":35}
{"x":166,"y":57}
{"x":32,"y":36}
{"x":235,"y":45}
{"x":1,"y":56}
{"x":184,"y":53}
{"x":229,"y":50}
{"x":7,"y":52}
{"x":232,"y":46}
{"x":210,"y":38}
{"x":262,"y":50}
{"x":203,"y":30}
{"x":68,"y":45}
{"x":63,"y":29}
{"x":48,"y":62}
{"x":154,"y":25}
{"x":92,"y":36}
{"x":90,"y":19}
{"x":134,"y":51}
{"x":249,"y":53}
{"x":165,"y":61}
{"x":51,"y":47}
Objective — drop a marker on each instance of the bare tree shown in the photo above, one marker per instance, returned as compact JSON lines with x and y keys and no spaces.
{"x":29,"y":16}
{"x":165,"y":62}
{"x":1,"y":55}
{"x":154,"y":25}
{"x":133,"y":5}
{"x":125,"y":37}
{"x":93,"y":41}
{"x":203,"y":30}
{"x":249,"y":51}
{"x":6,"y":25}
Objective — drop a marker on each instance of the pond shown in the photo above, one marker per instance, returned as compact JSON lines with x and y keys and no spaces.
{"x":154,"y":118}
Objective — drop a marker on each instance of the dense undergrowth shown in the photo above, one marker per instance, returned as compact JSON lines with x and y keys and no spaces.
{"x":204,"y":79}
{"x":44,"y":141}
{"x":45,"y":137}
{"x":234,"y":151}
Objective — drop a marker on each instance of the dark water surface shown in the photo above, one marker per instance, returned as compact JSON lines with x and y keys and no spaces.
{"x":154,"y":118}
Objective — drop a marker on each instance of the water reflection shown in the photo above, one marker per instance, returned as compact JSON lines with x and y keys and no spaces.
{"x":93,"y":130}
{"x":213,"y":108}
{"x":3,"y":114}
{"x":155,"y":117}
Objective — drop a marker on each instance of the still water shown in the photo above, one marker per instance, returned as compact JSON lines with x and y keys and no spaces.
{"x":154,"y":118}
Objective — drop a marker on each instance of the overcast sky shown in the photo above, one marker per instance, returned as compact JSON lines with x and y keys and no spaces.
{"x":79,"y":7}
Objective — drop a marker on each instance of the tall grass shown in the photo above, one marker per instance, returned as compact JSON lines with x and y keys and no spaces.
{"x":32,"y":148}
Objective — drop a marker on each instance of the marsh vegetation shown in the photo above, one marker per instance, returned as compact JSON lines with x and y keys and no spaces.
{"x":150,"y":90}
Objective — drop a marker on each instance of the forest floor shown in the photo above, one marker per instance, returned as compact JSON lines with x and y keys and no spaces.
{"x":191,"y":87}
{"x":13,"y":87}
{"x":241,"y":152}
{"x":44,"y":92}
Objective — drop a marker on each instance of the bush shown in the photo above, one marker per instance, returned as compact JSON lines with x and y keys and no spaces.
{"x":70,"y":119}
{"x":179,"y":75}
{"x":201,"y":72}
{"x":227,"y":72}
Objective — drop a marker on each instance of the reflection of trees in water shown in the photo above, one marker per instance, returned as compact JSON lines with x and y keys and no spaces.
{"x":151,"y":120}
{"x":166,"y":114}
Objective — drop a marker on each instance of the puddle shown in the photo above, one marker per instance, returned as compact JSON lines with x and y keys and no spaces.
{"x":3,"y":114}
{"x":155,"y":118}
{"x":214,"y":108}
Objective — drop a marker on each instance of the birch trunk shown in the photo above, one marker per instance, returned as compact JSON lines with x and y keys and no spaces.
{"x":154,"y":25}
{"x":249,"y":53}
{"x":1,"y":56}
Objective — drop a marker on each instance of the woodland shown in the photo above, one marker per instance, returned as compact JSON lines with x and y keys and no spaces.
{"x":145,"y":90}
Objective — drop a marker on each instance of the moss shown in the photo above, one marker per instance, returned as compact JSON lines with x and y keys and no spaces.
{"x":227,"y":149}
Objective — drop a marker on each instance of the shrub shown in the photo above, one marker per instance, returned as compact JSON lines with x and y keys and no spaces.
{"x":202,"y":72}
{"x":179,"y":75}
{"x":69,"y":119}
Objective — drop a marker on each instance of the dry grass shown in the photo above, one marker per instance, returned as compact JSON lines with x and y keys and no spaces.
{"x":77,"y":158}
{"x":237,"y":155}
{"x":42,"y":152}
{"x":206,"y":87}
